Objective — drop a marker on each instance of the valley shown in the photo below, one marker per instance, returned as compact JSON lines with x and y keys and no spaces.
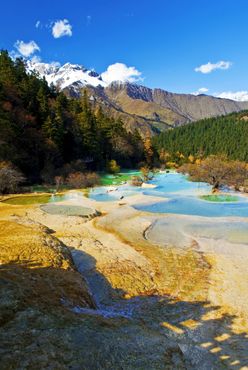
{"x":123,"y":223}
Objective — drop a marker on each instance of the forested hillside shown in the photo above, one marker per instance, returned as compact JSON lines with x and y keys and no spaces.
{"x":44,"y":134}
{"x":222,"y":135}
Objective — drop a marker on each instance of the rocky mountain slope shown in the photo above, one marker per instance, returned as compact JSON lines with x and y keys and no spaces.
{"x":139,"y":106}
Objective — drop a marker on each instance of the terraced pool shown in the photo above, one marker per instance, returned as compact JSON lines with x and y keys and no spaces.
{"x":181,"y":197}
{"x":178,"y":196}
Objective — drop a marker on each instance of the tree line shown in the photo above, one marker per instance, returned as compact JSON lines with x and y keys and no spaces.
{"x":224,"y":135}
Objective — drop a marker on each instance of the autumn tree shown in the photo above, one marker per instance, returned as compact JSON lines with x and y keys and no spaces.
{"x":217,"y":170}
{"x":164,"y":156}
{"x":146,"y":173}
{"x":113,"y":167}
{"x":148,"y":148}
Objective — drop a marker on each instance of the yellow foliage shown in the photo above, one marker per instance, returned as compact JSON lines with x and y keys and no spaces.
{"x":148,"y":148}
{"x":164,"y":155}
{"x":191,"y":158}
{"x":172,"y":164}
{"x":113,"y":167}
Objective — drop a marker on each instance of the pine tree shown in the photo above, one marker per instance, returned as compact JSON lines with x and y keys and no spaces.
{"x":43,"y":104}
{"x":7,"y":70}
{"x":48,"y":128}
{"x":58,"y":122}
{"x":88,"y":128}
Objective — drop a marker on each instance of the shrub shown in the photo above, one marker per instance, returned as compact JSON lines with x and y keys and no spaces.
{"x":10,"y":178}
{"x":92,"y":179}
{"x":72,"y":167}
{"x":76,"y":180}
{"x":147,"y":173}
{"x":171,"y":165}
{"x":82,"y":180}
{"x":113,"y":167}
{"x":136,"y":181}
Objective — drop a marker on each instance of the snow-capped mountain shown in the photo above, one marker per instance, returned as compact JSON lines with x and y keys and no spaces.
{"x":66,"y":75}
{"x":138,"y":106}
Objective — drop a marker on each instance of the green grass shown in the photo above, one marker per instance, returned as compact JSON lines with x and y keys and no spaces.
{"x":220,"y":198}
{"x":107,"y":179}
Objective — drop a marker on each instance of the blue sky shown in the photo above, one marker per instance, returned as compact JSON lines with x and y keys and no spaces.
{"x":166,"y":40}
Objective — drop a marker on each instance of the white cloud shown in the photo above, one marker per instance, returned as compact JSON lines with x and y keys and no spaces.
{"x":61,"y":28}
{"x":36,"y":59}
{"x":37,"y":24}
{"x":26,"y":49}
{"x":238,"y":95}
{"x":210,"y":67}
{"x":121,"y":72}
{"x":202,"y":90}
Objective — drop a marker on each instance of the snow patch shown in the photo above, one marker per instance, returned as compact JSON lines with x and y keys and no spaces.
{"x":66,"y":75}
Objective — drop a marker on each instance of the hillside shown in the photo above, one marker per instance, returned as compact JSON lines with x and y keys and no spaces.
{"x":44,"y":134}
{"x":140,"y":107}
{"x":221,"y":135}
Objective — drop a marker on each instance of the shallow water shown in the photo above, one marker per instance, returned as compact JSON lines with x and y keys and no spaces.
{"x":33,"y":199}
{"x":106,"y":194}
{"x":67,"y":210}
{"x":194,"y":206}
{"x":233,"y":232}
{"x":182,"y":197}
{"x":44,"y":198}
{"x":181,"y":232}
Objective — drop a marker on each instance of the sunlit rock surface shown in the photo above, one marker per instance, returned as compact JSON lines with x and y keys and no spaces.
{"x":151,"y":292}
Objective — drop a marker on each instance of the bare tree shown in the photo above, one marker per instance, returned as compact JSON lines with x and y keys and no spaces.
{"x":58,"y":181}
{"x":10,"y":179}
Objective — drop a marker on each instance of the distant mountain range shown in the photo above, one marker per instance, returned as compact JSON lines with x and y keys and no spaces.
{"x":139,"y":107}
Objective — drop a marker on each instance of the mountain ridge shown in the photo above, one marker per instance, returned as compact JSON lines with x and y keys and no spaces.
{"x":139,"y":107}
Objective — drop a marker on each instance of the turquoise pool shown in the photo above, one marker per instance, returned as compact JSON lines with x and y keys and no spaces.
{"x":106,"y":193}
{"x":182,"y":197}
{"x":197,"y":207}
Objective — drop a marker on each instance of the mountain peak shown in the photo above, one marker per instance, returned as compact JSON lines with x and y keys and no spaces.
{"x":66,"y":75}
{"x":139,"y":106}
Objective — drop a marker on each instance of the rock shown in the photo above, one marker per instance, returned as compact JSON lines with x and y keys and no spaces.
{"x":148,"y":186}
